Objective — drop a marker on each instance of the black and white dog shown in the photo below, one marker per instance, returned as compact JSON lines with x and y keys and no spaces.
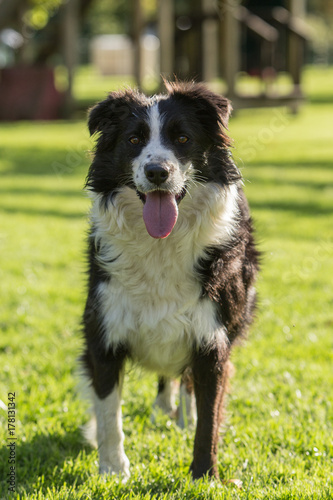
{"x":172,"y":261}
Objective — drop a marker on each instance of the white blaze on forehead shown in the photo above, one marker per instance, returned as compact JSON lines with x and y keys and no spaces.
{"x":155,"y":147}
{"x":155,"y":122}
{"x":155,"y":151}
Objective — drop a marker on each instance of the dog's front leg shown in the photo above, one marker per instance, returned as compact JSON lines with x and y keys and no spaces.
{"x":210,"y":374}
{"x":107,"y":384}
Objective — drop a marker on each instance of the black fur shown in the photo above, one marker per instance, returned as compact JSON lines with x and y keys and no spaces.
{"x":226,"y":273}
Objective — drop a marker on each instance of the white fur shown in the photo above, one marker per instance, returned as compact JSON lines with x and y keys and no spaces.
{"x":110,"y":437}
{"x":156,"y":152}
{"x":152,"y":303}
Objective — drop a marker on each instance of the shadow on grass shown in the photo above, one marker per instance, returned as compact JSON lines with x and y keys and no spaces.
{"x":44,"y":456}
{"x":48,"y":191}
{"x":282,"y":182}
{"x":48,"y":162}
{"x":290,"y":164}
{"x":49,"y":461}
{"x":44,"y":213}
{"x":309,"y":209}
{"x":58,"y":198}
{"x":321,"y":99}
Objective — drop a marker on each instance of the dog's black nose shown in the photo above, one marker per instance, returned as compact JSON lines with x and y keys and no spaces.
{"x":156,"y":174}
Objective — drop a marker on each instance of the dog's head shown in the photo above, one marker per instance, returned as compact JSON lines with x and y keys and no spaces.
{"x":160,"y":146}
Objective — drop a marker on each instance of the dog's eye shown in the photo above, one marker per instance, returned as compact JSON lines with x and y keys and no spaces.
{"x":182,"y":139}
{"x":134,"y":140}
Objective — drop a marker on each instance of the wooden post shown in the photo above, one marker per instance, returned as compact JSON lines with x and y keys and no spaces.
{"x":209,"y":40}
{"x":296,"y":46}
{"x":137,"y":27}
{"x":166,"y":31}
{"x":70,"y":47}
{"x":230,"y":43}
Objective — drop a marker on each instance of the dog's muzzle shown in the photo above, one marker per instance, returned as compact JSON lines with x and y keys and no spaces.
{"x":156,"y":174}
{"x":160,"y":211}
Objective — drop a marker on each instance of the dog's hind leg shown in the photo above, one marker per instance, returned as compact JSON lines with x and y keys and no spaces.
{"x":187,"y":414}
{"x":166,"y":396}
{"x":210,"y":376}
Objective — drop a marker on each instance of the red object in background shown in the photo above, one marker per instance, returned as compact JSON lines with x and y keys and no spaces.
{"x":29,"y":93}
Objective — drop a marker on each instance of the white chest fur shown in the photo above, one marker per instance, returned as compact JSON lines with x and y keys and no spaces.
{"x":152,"y":302}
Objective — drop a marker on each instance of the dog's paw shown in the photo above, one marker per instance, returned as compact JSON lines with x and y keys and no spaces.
{"x":119,"y":467}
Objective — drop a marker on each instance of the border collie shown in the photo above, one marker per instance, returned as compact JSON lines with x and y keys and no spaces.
{"x":172,"y":260}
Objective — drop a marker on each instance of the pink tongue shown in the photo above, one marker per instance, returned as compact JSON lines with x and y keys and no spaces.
{"x":160,"y":213}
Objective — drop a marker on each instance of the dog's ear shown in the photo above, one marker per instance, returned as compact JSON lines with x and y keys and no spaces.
{"x":98,"y":116}
{"x":107,"y":115}
{"x":225,"y":108}
{"x":220,"y":104}
{"x":210,"y":108}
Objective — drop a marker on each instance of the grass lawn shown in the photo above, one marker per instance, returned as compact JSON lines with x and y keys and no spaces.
{"x":278,"y":437}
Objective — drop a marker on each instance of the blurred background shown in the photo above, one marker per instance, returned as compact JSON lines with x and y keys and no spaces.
{"x":59,"y":56}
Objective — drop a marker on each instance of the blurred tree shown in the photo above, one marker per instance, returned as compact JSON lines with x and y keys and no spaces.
{"x":39,"y":12}
{"x":114,"y":16}
{"x":105,"y":16}
{"x":320,"y":20}
{"x":321,"y":7}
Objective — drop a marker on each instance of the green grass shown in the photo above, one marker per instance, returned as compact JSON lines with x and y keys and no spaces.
{"x":278,"y":437}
